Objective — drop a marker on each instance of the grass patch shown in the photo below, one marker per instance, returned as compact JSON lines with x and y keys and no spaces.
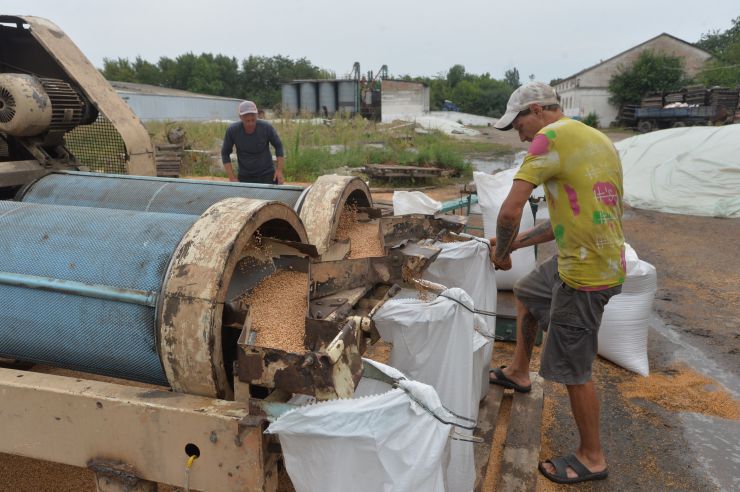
{"x":313,"y":149}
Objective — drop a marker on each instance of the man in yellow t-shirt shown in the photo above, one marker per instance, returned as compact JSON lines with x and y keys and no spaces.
{"x":581,"y":174}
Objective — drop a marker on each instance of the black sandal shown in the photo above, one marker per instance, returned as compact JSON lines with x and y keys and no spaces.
{"x":502,"y":380}
{"x":561,"y":470}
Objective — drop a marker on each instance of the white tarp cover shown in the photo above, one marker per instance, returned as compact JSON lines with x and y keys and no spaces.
{"x":434,"y":343}
{"x":623,"y":334}
{"x":414,"y":202}
{"x":492,"y":190}
{"x":464,"y":118}
{"x":692,"y":170}
{"x":383,"y":442}
{"x":444,"y":125}
{"x":467,"y":265}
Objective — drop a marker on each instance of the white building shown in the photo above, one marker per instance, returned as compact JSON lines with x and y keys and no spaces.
{"x":401,"y":100}
{"x":587,"y":91}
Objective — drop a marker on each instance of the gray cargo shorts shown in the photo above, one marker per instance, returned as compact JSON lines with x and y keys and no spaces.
{"x":570,"y":316}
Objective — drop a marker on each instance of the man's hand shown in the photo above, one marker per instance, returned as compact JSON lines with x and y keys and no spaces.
{"x":230,"y":172}
{"x":499,"y":263}
{"x":502,"y":263}
{"x":278,"y":177}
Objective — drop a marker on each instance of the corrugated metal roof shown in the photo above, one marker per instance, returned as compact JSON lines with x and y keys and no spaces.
{"x":162,"y":91}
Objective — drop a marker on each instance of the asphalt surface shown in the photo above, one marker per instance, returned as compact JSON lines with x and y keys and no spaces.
{"x":696,"y":324}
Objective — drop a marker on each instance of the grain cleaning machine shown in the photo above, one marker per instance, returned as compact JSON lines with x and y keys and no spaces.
{"x":147,"y":311}
{"x":125,"y":336}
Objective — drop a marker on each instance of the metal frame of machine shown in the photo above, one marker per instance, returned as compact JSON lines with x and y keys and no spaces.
{"x":134,"y":436}
{"x":205,"y":430}
{"x":37,"y":48}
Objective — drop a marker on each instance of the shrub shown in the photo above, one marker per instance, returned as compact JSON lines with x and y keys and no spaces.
{"x":592,"y":120}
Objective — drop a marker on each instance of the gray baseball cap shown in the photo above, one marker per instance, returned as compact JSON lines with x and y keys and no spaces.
{"x":520,"y":99}
{"x":247,"y":107}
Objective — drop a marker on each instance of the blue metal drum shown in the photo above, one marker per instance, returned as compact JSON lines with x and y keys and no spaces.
{"x":79,"y":285}
{"x":149,"y":194}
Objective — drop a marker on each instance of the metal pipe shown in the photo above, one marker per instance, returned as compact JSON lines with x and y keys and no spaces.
{"x":180,"y":180}
{"x":97,"y":291}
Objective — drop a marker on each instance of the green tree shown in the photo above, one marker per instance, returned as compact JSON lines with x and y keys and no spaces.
{"x":651,"y":72}
{"x":227,"y":69}
{"x":261,"y":76}
{"x":512,"y":78}
{"x":455,"y":75}
{"x":145,"y":72}
{"x":493,"y":96}
{"x":719,"y":43}
{"x":167,"y":69}
{"x":724,"y":69}
{"x":119,"y":70}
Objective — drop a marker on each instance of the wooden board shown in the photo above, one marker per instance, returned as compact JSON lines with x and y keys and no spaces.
{"x":522,"y":447}
{"x":487,"y":419}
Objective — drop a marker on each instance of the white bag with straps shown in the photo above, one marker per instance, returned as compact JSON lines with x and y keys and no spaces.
{"x":385,"y":441}
{"x":492,"y":190}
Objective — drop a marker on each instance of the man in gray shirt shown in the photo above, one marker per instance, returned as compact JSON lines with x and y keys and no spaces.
{"x":252,"y":138}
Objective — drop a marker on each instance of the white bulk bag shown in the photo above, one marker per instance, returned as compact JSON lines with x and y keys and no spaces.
{"x":482,"y":354}
{"x":624,"y":326}
{"x":433,"y":342}
{"x":467,"y":265}
{"x":382,"y":442}
{"x":414,"y":202}
{"x":492,"y":190}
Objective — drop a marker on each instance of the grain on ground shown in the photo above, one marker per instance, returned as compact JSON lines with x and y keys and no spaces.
{"x":20,"y":474}
{"x":683,"y":390}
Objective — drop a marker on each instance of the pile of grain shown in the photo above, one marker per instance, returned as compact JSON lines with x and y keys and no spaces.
{"x":278,"y":307}
{"x":683,"y":390}
{"x":364,"y":237}
{"x":347,"y":221}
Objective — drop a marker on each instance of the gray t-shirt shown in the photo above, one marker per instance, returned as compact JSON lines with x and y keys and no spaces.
{"x":252,"y":151}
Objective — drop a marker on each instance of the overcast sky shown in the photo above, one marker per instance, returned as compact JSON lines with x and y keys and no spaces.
{"x":542,"y":37}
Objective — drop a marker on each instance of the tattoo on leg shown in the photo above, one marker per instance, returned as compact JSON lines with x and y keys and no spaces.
{"x":529,"y":333}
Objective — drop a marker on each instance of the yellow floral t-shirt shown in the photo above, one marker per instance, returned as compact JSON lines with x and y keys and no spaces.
{"x":582,"y":177}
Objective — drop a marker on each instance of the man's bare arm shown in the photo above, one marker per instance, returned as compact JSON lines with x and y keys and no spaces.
{"x":507,"y":226}
{"x":539,"y":234}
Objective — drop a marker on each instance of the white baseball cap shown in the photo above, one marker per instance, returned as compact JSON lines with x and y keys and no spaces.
{"x":520,"y":99}
{"x":247,"y":107}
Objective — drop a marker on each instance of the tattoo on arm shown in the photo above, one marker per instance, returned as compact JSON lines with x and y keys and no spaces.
{"x":538,"y":234}
{"x":506,"y":232}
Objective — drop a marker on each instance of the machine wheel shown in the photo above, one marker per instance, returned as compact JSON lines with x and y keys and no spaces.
{"x":644,"y":126}
{"x":678,"y":124}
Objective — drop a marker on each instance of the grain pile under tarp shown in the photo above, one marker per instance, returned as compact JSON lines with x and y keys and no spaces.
{"x":278,"y":307}
{"x":683,"y":390}
{"x":364,"y":237}
{"x":693,"y":170}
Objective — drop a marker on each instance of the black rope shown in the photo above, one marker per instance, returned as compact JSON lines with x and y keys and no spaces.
{"x":433,"y":414}
{"x":475,"y":311}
